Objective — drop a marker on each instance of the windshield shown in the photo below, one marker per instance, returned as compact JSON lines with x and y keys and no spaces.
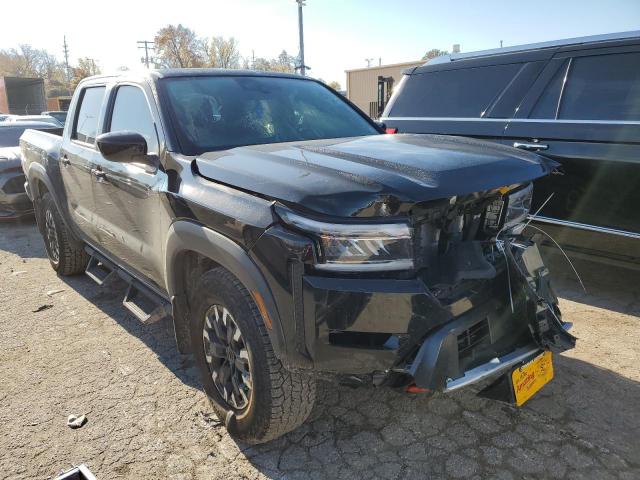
{"x":213,"y":113}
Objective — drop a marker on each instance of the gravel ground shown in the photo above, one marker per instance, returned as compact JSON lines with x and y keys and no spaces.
{"x":147,"y":417}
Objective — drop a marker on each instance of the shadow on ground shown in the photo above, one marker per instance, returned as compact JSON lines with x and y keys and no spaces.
{"x":16,"y":236}
{"x":158,"y":336}
{"x":608,"y":286}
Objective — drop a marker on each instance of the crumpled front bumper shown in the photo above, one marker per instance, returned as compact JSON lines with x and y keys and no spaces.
{"x":14,"y":202}
{"x":383,"y":327}
{"x":436,"y":366}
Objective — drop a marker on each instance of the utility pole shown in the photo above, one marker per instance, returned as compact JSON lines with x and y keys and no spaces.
{"x":500,"y":43}
{"x":65,"y":49}
{"x":368,"y":60}
{"x":303,"y":67}
{"x":147,"y":45}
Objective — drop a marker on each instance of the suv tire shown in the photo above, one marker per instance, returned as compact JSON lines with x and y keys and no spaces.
{"x":66,"y":256}
{"x":236,"y":360}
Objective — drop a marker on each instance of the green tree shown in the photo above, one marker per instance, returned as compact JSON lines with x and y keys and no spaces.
{"x":433,"y":53}
{"x":335,"y":85}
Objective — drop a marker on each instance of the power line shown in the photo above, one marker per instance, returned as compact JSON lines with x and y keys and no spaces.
{"x":147,"y":45}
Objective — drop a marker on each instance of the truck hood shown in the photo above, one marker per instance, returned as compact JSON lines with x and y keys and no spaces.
{"x":375,"y":175}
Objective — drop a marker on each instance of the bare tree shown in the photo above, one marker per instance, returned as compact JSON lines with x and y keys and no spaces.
{"x":178,"y":47}
{"x":26,"y":61}
{"x":222,"y":53}
{"x":284,"y":63}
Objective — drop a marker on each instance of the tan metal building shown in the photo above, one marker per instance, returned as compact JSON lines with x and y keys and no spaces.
{"x":362,"y":84}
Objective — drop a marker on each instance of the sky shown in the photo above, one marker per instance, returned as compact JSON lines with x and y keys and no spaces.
{"x":339,"y":35}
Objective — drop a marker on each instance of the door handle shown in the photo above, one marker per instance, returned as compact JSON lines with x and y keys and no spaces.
{"x":533,"y":147}
{"x":65,"y":160}
{"x":99,"y":174}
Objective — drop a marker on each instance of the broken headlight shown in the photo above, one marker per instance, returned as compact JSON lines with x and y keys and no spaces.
{"x":510,"y":210}
{"x":518,"y":204}
{"x":357,"y":247}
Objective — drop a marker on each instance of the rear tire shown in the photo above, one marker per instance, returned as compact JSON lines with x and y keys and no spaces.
{"x":65,"y":256}
{"x":263,"y":399}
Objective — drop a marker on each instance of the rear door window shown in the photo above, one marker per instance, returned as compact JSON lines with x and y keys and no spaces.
{"x":547,"y":105}
{"x":465,"y":92}
{"x":602,"y":87}
{"x":86,"y":125}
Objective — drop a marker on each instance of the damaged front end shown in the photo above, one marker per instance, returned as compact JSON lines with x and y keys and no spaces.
{"x":448,"y":296}
{"x":494,"y":284}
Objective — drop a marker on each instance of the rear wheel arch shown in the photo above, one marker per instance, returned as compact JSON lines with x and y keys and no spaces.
{"x":193,"y":249}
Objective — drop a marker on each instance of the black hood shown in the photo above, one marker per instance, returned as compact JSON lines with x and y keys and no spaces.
{"x":373,"y":175}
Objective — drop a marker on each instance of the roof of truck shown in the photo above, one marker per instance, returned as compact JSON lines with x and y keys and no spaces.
{"x":634,"y":34}
{"x":208,"y":72}
{"x":192,"y":72}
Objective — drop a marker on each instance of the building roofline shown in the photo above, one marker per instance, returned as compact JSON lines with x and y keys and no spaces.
{"x":402,"y":64}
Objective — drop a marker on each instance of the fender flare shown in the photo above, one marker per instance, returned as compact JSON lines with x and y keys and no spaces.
{"x":183,"y":236}
{"x":38,"y":172}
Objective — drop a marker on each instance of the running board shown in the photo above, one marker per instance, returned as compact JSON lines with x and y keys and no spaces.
{"x":98,"y":269}
{"x":144,"y":305}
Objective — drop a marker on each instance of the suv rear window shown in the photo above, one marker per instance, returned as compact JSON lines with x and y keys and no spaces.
{"x":465,"y":92}
{"x":602,"y":87}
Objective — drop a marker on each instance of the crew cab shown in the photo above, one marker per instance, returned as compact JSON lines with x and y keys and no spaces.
{"x":290,"y":239}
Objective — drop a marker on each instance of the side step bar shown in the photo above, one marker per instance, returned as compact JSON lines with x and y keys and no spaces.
{"x":145,"y":305}
{"x":99,"y":270}
{"x":142,"y":302}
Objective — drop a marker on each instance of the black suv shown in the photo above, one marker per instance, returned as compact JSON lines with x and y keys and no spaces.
{"x":290,"y":238}
{"x":576,"y":101}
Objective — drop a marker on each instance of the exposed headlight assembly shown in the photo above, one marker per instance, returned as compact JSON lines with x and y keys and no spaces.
{"x":356,"y":247}
{"x":511,"y":210}
{"x":518,"y":205}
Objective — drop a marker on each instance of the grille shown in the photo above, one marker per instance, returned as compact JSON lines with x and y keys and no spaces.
{"x":472,"y":337}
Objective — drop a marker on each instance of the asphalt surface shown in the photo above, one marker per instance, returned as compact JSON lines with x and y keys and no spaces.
{"x":67,"y":346}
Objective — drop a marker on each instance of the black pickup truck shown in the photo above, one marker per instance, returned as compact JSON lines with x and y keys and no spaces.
{"x":290,"y":239}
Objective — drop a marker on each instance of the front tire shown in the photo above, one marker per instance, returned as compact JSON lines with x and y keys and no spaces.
{"x":65,"y":256}
{"x":249,"y":388}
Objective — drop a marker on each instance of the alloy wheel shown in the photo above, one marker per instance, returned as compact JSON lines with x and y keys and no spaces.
{"x":227,"y":357}
{"x":52,"y":236}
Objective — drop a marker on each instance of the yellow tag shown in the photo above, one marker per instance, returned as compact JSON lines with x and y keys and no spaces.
{"x":531,"y":377}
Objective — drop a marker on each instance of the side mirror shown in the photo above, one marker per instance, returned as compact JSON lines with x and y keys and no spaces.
{"x":123,"y":147}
